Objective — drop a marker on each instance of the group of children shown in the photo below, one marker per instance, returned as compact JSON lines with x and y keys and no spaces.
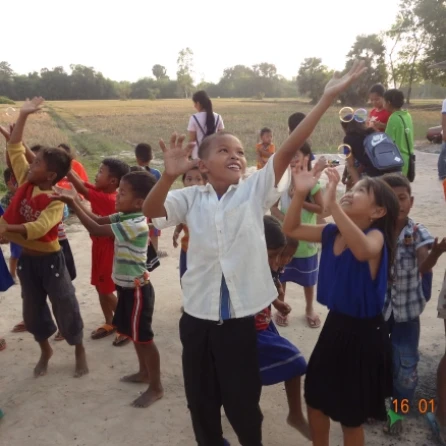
{"x":231,"y":262}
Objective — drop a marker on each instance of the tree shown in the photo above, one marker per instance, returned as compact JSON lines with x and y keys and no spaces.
{"x":159,"y":72}
{"x":371,"y":49}
{"x":312,"y":77}
{"x":124,"y":90}
{"x":185,"y":65}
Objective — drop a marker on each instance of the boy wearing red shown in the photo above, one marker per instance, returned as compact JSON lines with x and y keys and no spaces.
{"x":102,"y":197}
{"x":378,"y":115}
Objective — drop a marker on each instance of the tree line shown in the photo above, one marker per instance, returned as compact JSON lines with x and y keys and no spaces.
{"x":398,"y":58}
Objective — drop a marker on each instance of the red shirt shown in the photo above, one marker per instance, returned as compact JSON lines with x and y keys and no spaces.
{"x":103,"y":204}
{"x":79,"y":169}
{"x":381,"y":116}
{"x":263,"y":319}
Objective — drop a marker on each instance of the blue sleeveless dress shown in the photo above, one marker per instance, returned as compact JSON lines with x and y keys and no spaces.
{"x":6,"y":280}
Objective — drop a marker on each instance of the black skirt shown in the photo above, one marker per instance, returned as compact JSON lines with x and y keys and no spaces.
{"x":349,"y":375}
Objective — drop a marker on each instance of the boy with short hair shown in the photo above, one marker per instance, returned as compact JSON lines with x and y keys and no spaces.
{"x":144,"y":156}
{"x":265,"y":149}
{"x":32,"y":221}
{"x":405,"y":301}
{"x":102,"y":197}
{"x":228,"y":279}
{"x":136,"y":296}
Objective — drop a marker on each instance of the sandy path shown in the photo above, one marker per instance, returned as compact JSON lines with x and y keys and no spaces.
{"x":94,"y":411}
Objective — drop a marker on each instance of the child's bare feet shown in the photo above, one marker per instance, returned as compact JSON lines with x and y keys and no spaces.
{"x":139,"y":377}
{"x":299,"y":423}
{"x":149,"y":397}
{"x":81,"y":368}
{"x":42,"y":366}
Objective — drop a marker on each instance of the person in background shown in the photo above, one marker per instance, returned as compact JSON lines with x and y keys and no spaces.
{"x":399,"y":126}
{"x":75,"y":165}
{"x":378,"y":116}
{"x":205,"y":122}
{"x":265,"y":149}
{"x":442,"y":157}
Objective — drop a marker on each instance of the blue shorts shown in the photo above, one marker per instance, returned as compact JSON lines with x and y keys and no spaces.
{"x":302,"y":271}
{"x":279,"y":360}
{"x":183,"y":263}
{"x":16,"y":250}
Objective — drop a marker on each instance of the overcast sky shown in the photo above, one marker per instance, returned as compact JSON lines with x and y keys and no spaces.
{"x":126,"y":40}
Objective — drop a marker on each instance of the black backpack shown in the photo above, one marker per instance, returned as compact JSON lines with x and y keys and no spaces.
{"x":383,"y":153}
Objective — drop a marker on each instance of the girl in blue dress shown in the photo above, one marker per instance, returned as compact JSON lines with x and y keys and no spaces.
{"x":349,"y":374}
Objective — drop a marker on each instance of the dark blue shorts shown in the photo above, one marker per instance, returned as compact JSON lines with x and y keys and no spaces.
{"x":302,"y":271}
{"x":16,"y":250}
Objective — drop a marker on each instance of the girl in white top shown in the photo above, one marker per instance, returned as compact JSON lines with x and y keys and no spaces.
{"x":205,"y":122}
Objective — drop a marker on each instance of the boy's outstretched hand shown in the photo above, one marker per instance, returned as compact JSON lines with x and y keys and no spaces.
{"x":338,"y":84}
{"x":32,"y":106}
{"x":67,"y":196}
{"x":439,"y":248}
{"x":177,"y":158}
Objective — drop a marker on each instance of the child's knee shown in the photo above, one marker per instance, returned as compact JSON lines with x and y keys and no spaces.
{"x":406,"y":373}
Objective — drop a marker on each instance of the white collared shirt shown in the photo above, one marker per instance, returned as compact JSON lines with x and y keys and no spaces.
{"x":226,"y":237}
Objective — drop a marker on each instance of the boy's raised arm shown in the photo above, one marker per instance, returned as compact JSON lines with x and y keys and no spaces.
{"x":78,"y":183}
{"x":303,"y":131}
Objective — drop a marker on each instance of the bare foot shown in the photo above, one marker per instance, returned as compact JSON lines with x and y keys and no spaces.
{"x":147,"y":398}
{"x":138,"y":377}
{"x":300,"y":424}
{"x":81,"y":368}
{"x":42,"y":366}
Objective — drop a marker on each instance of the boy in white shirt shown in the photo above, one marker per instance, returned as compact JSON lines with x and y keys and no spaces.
{"x":228,"y":278}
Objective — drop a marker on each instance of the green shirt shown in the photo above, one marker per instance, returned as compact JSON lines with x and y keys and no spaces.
{"x":305,"y":249}
{"x":131,"y":239}
{"x":402,"y":134}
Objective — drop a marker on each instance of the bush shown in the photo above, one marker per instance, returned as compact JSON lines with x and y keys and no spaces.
{"x":5,"y":100}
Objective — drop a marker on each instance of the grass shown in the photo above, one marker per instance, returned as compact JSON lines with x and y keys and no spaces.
{"x":104,"y":128}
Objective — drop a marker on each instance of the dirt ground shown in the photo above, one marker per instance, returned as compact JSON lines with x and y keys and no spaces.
{"x":94,"y":410}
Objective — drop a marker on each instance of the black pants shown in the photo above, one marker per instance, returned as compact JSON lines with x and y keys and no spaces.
{"x":220,"y":367}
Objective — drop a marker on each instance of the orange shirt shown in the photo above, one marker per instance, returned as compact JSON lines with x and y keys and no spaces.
{"x":264,"y":154}
{"x":79,"y":169}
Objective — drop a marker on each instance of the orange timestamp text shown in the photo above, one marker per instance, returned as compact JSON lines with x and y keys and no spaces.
{"x":404,"y":406}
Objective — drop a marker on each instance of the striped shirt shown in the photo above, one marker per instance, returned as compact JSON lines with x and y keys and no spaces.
{"x":131,"y":238}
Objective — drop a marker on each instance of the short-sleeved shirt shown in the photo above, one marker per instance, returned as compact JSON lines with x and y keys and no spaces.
{"x":265,"y":153}
{"x":381,"y":116}
{"x":80,"y":171}
{"x":405,"y":295}
{"x":131,"y":233}
{"x":200,"y":126}
{"x":102,"y":203}
{"x":155,"y":172}
{"x":304,"y":249}
{"x":345,"y":284}
{"x":227,"y":238}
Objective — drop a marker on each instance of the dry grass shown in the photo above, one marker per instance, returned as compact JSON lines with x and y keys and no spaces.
{"x":103,"y":128}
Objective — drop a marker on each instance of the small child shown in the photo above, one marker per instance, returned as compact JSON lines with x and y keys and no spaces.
{"x":193,"y":177}
{"x":378,"y":116}
{"x":144,"y":155}
{"x":279,"y":360}
{"x":136,"y":296}
{"x":102,"y":197}
{"x":349,"y":373}
{"x":226,"y":249}
{"x":32,"y":220}
{"x":399,"y":126}
{"x":15,"y":250}
{"x":303,"y":268}
{"x":405,"y":302}
{"x":265,"y":149}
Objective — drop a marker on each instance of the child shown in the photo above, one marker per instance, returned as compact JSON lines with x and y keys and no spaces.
{"x":76,"y":166}
{"x":303,"y":268}
{"x":405,"y":301}
{"x":31,"y":221}
{"x":15,"y":250}
{"x":102,"y":197}
{"x":399,"y":126}
{"x":279,"y":360}
{"x":225,"y":221}
{"x":144,"y":155}
{"x":193,"y":177}
{"x":265,"y":149}
{"x":349,"y":373}
{"x":378,"y":116}
{"x":136,"y":297}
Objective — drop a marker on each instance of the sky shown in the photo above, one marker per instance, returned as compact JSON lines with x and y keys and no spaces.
{"x":126,"y":40}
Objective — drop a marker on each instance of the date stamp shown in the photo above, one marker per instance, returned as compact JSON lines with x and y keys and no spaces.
{"x":404,"y":406}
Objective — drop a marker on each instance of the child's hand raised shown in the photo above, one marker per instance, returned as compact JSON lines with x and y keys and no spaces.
{"x":6,"y":132}
{"x":65,"y":195}
{"x":304,"y":180}
{"x":177,"y":158}
{"x":32,"y":106}
{"x":337,"y":84}
{"x":332,"y":185}
{"x":439,"y":248}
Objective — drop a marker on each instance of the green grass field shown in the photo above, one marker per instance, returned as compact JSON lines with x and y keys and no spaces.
{"x":103,"y":128}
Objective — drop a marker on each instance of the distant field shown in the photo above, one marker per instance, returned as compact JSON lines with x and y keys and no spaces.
{"x":102,"y":128}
